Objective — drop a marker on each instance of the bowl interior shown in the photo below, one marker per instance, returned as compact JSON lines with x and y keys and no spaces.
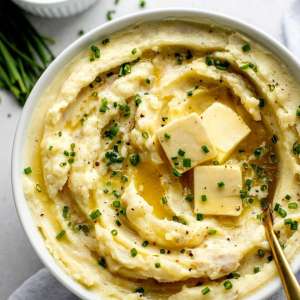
{"x":62,"y":60}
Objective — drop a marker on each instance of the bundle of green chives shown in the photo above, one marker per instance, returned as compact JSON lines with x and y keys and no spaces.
{"x":24,"y":53}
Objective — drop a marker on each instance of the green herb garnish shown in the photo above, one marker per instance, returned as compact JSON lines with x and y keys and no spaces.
{"x":134,"y":159}
{"x":28,"y":170}
{"x":293,"y":205}
{"x":104,"y":105}
{"x":199,"y":217}
{"x":114,"y":232}
{"x":109,"y":14}
{"x":95,"y":214}
{"x":205,"y":149}
{"x":133,"y":252}
{"x":246,"y":47}
{"x":60,"y":235}
{"x":95,"y":52}
{"x":187,"y":162}
{"x":205,"y":290}
{"x":221,"y":184}
{"x":167,"y":136}
{"x":125,"y":69}
{"x":227,"y":284}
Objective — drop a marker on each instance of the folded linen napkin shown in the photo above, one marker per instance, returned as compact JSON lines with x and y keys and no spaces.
{"x":43,"y":285}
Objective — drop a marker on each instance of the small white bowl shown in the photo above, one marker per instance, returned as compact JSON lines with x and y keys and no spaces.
{"x":64,"y":58}
{"x":54,"y":8}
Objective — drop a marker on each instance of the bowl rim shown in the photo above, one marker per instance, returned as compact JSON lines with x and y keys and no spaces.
{"x":177,"y":13}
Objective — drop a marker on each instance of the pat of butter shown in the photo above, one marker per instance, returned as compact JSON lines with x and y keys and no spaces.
{"x":217,"y":190}
{"x":186,"y":143}
{"x":225,"y":128}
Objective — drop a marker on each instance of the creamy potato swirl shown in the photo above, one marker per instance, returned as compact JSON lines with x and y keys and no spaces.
{"x":103,"y":194}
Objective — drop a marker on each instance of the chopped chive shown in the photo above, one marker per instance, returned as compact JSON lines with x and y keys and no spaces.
{"x":298,"y":111}
{"x":221,"y":184}
{"x":293,"y":205}
{"x":116,"y":194}
{"x":287,"y":197}
{"x":138,"y":100}
{"x":71,"y":160}
{"x":104,"y":105}
{"x":246,"y":47}
{"x":211,"y":231}
{"x":134,"y":159}
{"x":157,"y":265}
{"x":176,"y":173}
{"x":125,"y":69}
{"x":133,"y":51}
{"x":116,"y":203}
{"x":95,"y":52}
{"x":114,"y":232}
{"x":227,"y":285}
{"x":133,"y":252}
{"x":109,"y":14}
{"x":167,"y":136}
{"x":203,"y":198}
{"x":294,"y":225}
{"x":60,"y":235}
{"x":282,"y":212}
{"x":205,"y":290}
{"x":249,"y":65}
{"x":189,"y":93}
{"x":189,"y":197}
{"x":256,"y":269}
{"x":95,"y":214}
{"x":65,"y":212}
{"x":181,"y":152}
{"x":142,"y":3}
{"x":28,"y":170}
{"x":112,"y":132}
{"x":234,"y":275}
{"x":205,"y":149}
{"x":199,"y":217}
{"x":187,"y":162}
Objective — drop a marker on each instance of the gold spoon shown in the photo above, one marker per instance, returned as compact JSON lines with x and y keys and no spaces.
{"x":288,"y":279}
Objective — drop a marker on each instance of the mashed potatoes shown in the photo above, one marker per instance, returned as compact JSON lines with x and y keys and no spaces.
{"x":150,"y":155}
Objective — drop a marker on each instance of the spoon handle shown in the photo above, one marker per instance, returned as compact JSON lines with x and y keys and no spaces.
{"x":288,"y":279}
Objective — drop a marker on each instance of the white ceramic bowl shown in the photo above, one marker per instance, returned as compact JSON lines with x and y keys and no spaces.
{"x":82,"y":43}
{"x":54,"y":8}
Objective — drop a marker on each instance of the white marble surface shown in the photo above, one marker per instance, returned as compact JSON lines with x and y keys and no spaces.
{"x":17,"y":259}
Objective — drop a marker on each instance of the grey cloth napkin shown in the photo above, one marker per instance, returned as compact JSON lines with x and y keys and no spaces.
{"x":291,"y":28}
{"x":43,"y":286}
